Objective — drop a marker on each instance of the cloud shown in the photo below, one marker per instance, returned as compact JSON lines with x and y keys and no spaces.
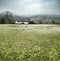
{"x":26,"y":7}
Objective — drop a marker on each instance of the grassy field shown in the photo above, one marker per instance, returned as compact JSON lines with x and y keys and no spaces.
{"x":29,"y":42}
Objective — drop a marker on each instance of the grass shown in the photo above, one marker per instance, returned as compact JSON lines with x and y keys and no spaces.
{"x":29,"y":42}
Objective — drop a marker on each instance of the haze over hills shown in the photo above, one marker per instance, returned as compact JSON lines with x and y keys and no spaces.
{"x":9,"y":17}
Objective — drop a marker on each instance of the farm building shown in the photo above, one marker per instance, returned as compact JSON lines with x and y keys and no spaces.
{"x":18,"y":22}
{"x":25,"y":22}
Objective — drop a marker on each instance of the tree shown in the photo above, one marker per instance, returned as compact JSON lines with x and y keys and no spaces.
{"x":7,"y":18}
{"x":53,"y":22}
{"x":40,"y":22}
{"x":2,"y":20}
{"x":31,"y":22}
{"x":28,"y":19}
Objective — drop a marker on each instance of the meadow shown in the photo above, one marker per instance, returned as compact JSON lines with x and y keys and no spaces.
{"x":29,"y":42}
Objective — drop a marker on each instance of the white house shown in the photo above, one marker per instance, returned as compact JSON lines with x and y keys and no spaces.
{"x":25,"y":22}
{"x":18,"y":22}
{"x":21,"y":22}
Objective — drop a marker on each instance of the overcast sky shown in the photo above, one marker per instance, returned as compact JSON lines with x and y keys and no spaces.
{"x":30,"y":7}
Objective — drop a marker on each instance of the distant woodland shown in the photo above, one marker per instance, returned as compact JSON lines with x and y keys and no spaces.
{"x":10,"y":18}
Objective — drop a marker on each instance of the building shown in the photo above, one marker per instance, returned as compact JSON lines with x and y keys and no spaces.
{"x":20,"y":22}
{"x":25,"y":22}
{"x":17,"y":22}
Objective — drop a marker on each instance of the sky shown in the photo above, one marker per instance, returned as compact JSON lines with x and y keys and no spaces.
{"x":31,"y":7}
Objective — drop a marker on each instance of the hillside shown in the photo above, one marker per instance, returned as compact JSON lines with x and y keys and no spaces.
{"x":10,"y":18}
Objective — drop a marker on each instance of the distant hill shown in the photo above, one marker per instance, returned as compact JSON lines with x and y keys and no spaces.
{"x":10,"y":18}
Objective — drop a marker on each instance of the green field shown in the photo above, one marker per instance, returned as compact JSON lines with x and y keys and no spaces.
{"x":29,"y":42}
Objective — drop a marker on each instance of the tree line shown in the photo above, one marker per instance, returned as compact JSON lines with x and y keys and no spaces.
{"x":9,"y":18}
